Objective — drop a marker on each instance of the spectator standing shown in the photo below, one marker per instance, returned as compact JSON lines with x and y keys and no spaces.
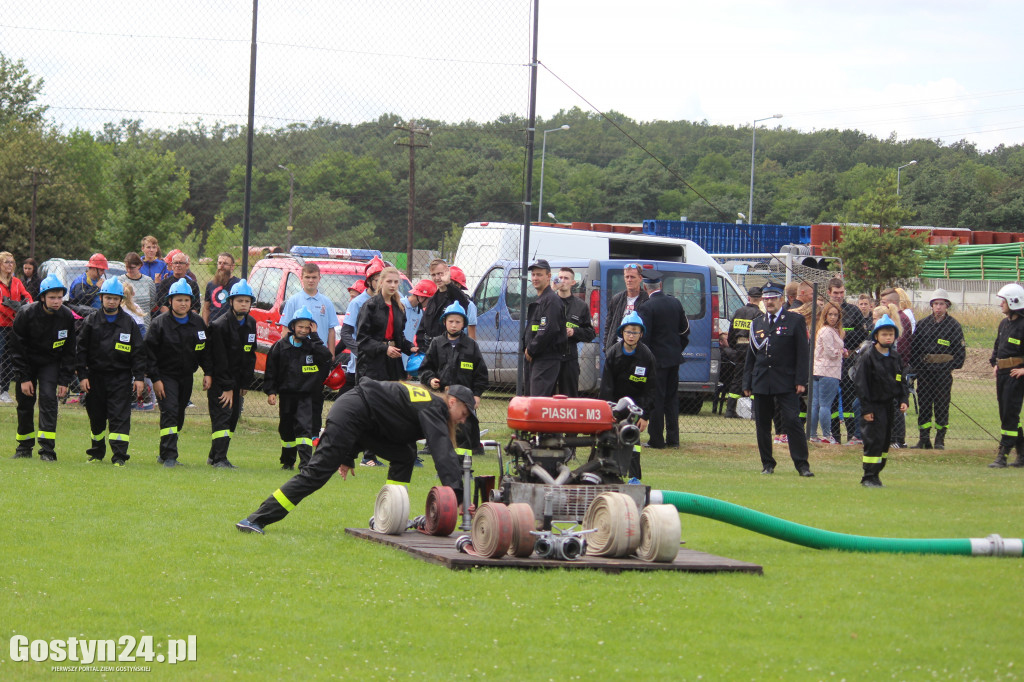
{"x":629,"y":368}
{"x":218,"y":288}
{"x":30,"y":277}
{"x":351,"y":319}
{"x":12,"y":297}
{"x":430,"y":325}
{"x":936,"y":350}
{"x":458,"y":279}
{"x":414,"y":302}
{"x":232,"y":339}
{"x":153,"y":266}
{"x":828,"y":365}
{"x":179,"y":272}
{"x":143,"y":286}
{"x":578,"y":329}
{"x":855,"y":330}
{"x":545,"y":338}
{"x":624,"y":302}
{"x":668,"y":334}
{"x":381,"y":332}
{"x":85,"y":289}
{"x":148,"y":402}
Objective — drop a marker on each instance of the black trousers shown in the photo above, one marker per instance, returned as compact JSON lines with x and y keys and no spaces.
{"x":848,"y":395}
{"x":1010,"y":394}
{"x":223,"y":421}
{"x":877,"y":435}
{"x":177,"y":393}
{"x":350,"y":429}
{"x":789,"y":407}
{"x":568,"y":378}
{"x":542,"y":375}
{"x":45,"y":385}
{"x":295,"y":425}
{"x":933,"y":393}
{"x":110,"y":404}
{"x":664,"y":423}
{"x":318,"y":412}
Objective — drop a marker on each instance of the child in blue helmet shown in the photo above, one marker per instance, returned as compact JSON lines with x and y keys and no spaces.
{"x":629,"y":372}
{"x":879,"y":384}
{"x":454,"y":358}
{"x":296,"y":367}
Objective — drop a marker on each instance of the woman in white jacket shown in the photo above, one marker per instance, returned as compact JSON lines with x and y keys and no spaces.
{"x":828,"y":365}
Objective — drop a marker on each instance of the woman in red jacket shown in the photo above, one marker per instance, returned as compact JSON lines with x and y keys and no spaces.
{"x":12,"y":296}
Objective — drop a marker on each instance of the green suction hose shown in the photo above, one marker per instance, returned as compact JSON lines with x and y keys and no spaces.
{"x":734,"y":514}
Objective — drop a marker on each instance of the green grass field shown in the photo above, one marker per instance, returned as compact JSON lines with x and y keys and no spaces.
{"x":91,"y":551}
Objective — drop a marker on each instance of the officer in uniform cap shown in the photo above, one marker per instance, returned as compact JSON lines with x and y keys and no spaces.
{"x":667,"y":335}
{"x":735,"y":352}
{"x":545,"y":338}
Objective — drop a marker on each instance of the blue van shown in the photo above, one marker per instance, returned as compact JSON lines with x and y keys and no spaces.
{"x":499,"y":306}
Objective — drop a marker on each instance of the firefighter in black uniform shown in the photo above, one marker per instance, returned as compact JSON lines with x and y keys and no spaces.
{"x":296,"y":367}
{"x":629,"y":368}
{"x":176,"y":347}
{"x":735,"y":354}
{"x":668,"y":334}
{"x":389,"y":415}
{"x":232,"y":344}
{"x":545,"y":338}
{"x":454,"y":358}
{"x":110,"y":358}
{"x":879,"y":383}
{"x":578,"y":329}
{"x":42,"y":352}
{"x":936,"y":349}
{"x":775,"y":372}
{"x":856,"y":328}
{"x":1008,"y":367}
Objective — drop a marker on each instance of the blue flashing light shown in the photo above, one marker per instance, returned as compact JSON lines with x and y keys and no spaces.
{"x":334,"y":252}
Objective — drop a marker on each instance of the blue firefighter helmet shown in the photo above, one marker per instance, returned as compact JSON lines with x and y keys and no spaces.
{"x":241,"y":288}
{"x":51,"y":283}
{"x":632,"y":317}
{"x":180,"y":288}
{"x":883,"y":322}
{"x":302,"y":313}
{"x":455,"y":309}
{"x":415,"y":362}
{"x":112,"y":287}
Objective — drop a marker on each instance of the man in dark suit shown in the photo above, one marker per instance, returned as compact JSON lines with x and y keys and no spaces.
{"x":775,"y":372}
{"x":668,"y":333}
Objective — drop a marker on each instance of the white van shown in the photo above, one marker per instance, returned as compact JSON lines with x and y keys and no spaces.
{"x":485,"y":243}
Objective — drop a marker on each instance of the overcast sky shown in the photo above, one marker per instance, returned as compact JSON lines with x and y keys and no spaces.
{"x":937,"y":69}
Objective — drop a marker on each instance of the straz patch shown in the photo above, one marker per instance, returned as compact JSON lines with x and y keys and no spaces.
{"x":58,"y":344}
{"x":417,"y":394}
{"x":1014,"y":341}
{"x":741,"y":324}
{"x":126,"y":347}
{"x":200,"y":346}
{"x":899,"y":378}
{"x":466,"y":365}
{"x":247,"y":348}
{"x":310,"y":369}
{"x":642,"y":380}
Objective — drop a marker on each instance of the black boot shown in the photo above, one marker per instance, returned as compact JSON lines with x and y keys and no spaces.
{"x":1000,"y":460}
{"x":925,"y":441}
{"x":940,"y":439}
{"x":1019,"y":462}
{"x":730,"y":409}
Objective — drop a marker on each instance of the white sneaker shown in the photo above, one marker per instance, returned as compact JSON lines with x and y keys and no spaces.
{"x":5,"y":397}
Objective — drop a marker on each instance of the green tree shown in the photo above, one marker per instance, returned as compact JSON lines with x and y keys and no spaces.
{"x":18,"y":94}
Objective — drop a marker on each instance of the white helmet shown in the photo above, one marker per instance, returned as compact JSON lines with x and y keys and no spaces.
{"x":1014,"y":295}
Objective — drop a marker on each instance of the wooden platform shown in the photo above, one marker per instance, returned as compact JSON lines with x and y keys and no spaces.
{"x":441,"y":551}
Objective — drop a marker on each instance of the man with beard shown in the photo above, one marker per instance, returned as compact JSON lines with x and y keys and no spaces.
{"x":217,"y":289}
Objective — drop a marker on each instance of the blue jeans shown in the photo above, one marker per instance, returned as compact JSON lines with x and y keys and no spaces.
{"x":825,"y":391}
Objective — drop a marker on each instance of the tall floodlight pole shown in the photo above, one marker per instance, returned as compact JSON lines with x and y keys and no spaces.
{"x":753,"y":146}
{"x":291,"y":197}
{"x":543,"y":151}
{"x":898,"y":174}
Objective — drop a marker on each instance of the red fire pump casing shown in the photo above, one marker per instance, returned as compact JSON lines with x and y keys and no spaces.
{"x":560,"y":414}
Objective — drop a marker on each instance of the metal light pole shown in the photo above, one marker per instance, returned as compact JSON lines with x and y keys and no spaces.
{"x":291,"y":197}
{"x":898,"y":174}
{"x":543,"y":149}
{"x":753,"y":146}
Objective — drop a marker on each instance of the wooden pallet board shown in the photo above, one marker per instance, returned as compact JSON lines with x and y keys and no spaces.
{"x":441,"y":551}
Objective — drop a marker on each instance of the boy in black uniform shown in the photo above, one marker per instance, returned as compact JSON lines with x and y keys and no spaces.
{"x":736,"y":352}
{"x":176,"y":347}
{"x":1008,"y":367}
{"x":110,"y":358}
{"x":629,"y":368}
{"x":389,"y":415}
{"x":296,"y":367}
{"x":578,"y":329}
{"x":545,"y":337}
{"x":43,"y":355}
{"x":232,"y":359}
{"x":879,"y":383}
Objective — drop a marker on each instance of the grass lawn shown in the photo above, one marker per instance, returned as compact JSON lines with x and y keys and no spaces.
{"x":94,"y":552}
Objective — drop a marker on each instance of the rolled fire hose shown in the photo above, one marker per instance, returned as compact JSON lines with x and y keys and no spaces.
{"x":442,"y":512}
{"x":523,"y":541}
{"x":492,"y":532}
{"x":617,"y":524}
{"x":660,"y":533}
{"x":698,"y":505}
{"x":391,"y":510}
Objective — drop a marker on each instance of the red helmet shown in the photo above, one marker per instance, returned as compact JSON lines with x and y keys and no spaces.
{"x":359,"y":286}
{"x":458,"y":276}
{"x":336,"y":379}
{"x":170,"y":256}
{"x":424,"y":289}
{"x":98,"y":260}
{"x":374,"y":267}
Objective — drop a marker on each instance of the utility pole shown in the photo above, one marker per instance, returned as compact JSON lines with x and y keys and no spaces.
{"x":40,"y":176}
{"x":412,"y":145}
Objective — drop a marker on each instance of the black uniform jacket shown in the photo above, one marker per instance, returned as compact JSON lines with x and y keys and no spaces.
{"x":176,"y":350}
{"x":856,"y":326}
{"x":616,"y":311}
{"x":372,"y":359}
{"x":232,"y":349}
{"x":667,"y":329}
{"x":879,"y":380}
{"x":164,"y":287}
{"x":462,"y":364}
{"x":630,"y":376}
{"x":577,"y":318}
{"x":739,"y":328}
{"x":110,"y":347}
{"x":430,"y":323}
{"x":776,"y":355}
{"x":1009,"y":341}
{"x":403,"y":413}
{"x":42,"y":338}
{"x":937,"y":338}
{"x":545,"y":326}
{"x":296,"y":369}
